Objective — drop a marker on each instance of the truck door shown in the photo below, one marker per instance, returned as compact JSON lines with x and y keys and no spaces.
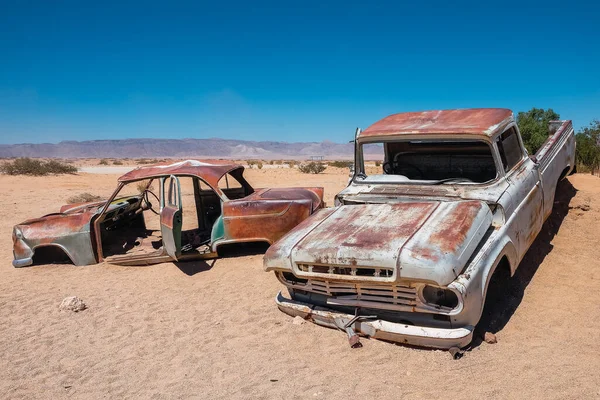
{"x":525,"y":189}
{"x":171,"y":217}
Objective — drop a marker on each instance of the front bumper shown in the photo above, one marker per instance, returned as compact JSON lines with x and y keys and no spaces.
{"x":439,"y":338}
{"x":22,"y":262}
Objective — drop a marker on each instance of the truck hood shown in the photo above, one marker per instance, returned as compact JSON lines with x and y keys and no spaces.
{"x":427,"y":241}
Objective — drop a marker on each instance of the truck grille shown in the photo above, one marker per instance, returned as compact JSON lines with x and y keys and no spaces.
{"x":392,"y":297}
{"x":354,"y":270}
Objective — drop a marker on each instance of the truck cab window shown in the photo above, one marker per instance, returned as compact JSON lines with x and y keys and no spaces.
{"x":510,"y":149}
{"x":432,"y":161}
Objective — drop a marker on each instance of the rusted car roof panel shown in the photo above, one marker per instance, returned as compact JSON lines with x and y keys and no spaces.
{"x":474,"y":121}
{"x":210,"y":171}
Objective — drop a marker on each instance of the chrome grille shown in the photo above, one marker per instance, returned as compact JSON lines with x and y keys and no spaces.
{"x":390,"y":297}
{"x":354,"y":270}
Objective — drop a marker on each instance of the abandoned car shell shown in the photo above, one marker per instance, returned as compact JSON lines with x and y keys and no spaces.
{"x":407,"y":255}
{"x":86,"y":232}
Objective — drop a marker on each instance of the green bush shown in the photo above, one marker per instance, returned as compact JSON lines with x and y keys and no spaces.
{"x":104,"y":161}
{"x":117,"y":162}
{"x":312,"y":167}
{"x":259,"y":165}
{"x":34,"y":167}
{"x":534,"y":126}
{"x":587,"y":156}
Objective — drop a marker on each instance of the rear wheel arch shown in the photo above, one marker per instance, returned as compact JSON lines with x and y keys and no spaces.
{"x":564,"y":173}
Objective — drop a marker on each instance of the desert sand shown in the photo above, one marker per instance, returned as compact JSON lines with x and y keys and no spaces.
{"x":211,"y":329}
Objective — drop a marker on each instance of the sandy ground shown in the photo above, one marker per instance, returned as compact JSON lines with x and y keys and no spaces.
{"x":211,"y":330}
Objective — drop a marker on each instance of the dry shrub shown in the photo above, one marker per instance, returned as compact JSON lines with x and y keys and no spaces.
{"x":33,"y":167}
{"x":340,"y":164}
{"x":142,"y":185}
{"x":312,"y":167}
{"x":83,"y":198}
{"x":148,"y":161}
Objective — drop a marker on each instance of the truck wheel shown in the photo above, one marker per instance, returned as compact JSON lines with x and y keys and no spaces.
{"x":498,"y":299}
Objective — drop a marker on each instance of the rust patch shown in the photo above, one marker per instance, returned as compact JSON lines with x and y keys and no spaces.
{"x":475,"y":121}
{"x":453,"y":229}
{"x":263,"y":220}
{"x":210,"y":171}
{"x":354,"y":234}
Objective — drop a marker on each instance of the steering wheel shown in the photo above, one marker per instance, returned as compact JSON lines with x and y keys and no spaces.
{"x":387,"y":168}
{"x":390,"y":167}
{"x":147,"y":205}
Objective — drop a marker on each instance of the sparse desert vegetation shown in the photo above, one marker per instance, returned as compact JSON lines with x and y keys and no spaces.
{"x":312,"y":167}
{"x":141,"y":186}
{"x":83,"y":198}
{"x":147,"y":161}
{"x":340,"y":164}
{"x":36,"y":167}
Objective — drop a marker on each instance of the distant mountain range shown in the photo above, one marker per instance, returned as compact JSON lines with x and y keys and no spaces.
{"x":179,"y":148}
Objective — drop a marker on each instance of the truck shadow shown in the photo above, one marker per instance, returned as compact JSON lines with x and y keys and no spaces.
{"x":510,"y":291}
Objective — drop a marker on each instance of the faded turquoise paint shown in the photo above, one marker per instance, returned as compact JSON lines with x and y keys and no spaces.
{"x":218,"y":230}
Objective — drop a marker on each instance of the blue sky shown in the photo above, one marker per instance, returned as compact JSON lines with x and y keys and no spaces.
{"x":291,"y":71}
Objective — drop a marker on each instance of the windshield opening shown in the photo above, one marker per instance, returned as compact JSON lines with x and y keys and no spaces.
{"x":427,"y":161}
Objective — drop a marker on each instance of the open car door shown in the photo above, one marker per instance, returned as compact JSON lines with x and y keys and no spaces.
{"x":171,"y":216}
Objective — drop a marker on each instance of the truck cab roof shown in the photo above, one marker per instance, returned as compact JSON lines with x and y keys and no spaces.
{"x":484,"y":122}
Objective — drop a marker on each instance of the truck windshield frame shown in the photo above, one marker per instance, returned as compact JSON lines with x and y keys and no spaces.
{"x":430,"y":161}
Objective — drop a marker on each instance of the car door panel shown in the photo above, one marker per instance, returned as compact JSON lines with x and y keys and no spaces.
{"x":171,"y":216}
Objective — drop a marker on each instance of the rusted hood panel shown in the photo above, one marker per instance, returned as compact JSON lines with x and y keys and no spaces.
{"x":424,"y":241}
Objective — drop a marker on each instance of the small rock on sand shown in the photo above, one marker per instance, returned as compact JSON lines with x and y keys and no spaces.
{"x":298,"y":320}
{"x":72,"y":303}
{"x":490,"y":338}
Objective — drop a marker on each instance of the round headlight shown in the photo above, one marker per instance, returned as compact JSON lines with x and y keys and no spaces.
{"x":440,"y":297}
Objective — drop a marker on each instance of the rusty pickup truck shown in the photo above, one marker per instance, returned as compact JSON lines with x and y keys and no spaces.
{"x":408,"y":252}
